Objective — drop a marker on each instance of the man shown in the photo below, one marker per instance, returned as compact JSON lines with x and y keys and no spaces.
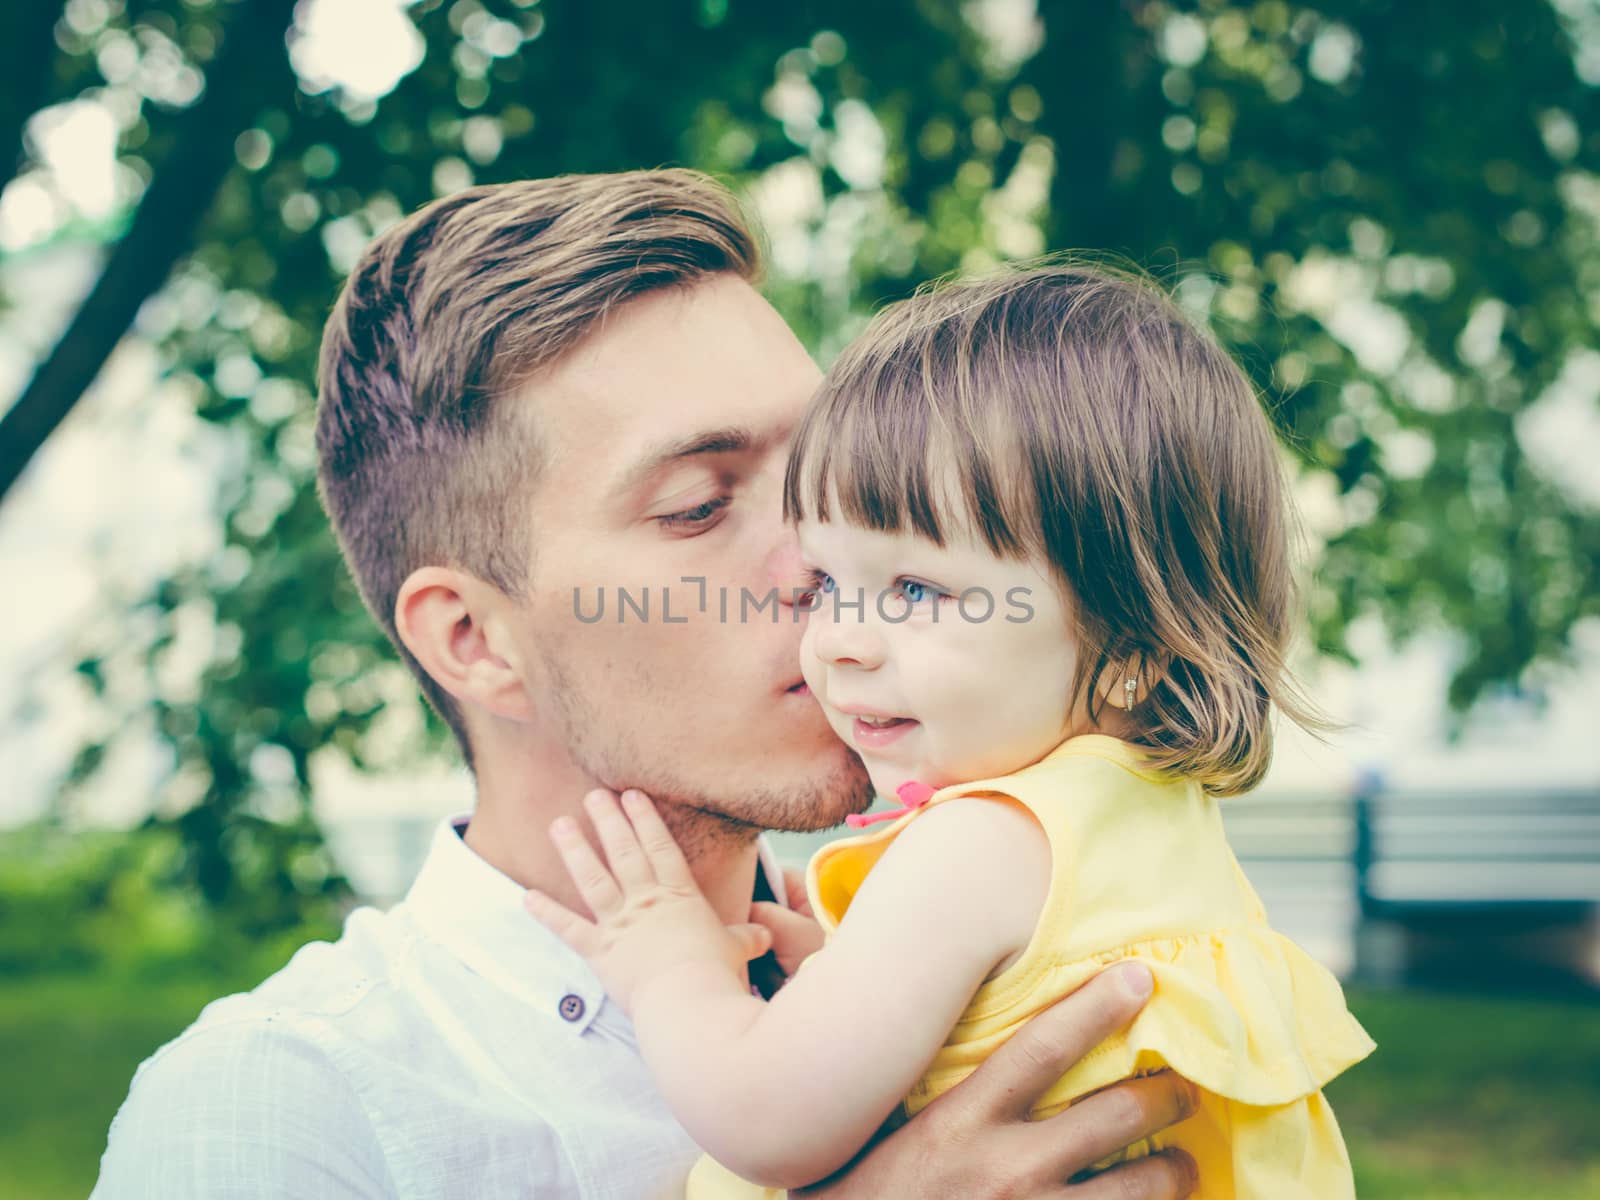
{"x":536,"y":398}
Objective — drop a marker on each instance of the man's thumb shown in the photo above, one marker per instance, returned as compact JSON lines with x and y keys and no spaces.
{"x":754,"y":940}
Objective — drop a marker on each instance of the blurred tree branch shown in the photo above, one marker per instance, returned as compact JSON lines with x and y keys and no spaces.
{"x":27,"y":51}
{"x":1387,"y":210}
{"x":163,"y":229}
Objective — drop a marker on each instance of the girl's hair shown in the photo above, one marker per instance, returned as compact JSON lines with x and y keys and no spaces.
{"x":1073,"y":413}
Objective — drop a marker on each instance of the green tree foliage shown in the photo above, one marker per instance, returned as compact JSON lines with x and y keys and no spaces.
{"x":1388,"y":209}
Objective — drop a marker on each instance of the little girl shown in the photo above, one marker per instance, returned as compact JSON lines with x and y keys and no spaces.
{"x":1046,"y":525}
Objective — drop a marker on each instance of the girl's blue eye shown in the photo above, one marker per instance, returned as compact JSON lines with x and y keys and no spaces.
{"x":916,"y":591}
{"x":822,"y":584}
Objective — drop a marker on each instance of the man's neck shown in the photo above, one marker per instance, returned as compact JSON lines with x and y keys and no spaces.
{"x":510,"y":830}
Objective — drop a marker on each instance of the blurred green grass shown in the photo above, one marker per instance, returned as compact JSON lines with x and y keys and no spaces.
{"x":70,"y":1043}
{"x":1467,"y":1097}
{"x":1471,"y":1097}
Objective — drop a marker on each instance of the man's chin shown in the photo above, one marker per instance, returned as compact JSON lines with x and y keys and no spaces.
{"x":813,"y":806}
{"x":804,"y":804}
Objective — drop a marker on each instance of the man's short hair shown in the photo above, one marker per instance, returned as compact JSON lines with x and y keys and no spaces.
{"x":420,"y":459}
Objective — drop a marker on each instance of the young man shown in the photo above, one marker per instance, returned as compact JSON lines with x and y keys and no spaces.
{"x":535,"y":398}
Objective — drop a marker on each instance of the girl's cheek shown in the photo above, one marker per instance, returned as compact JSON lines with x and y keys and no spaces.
{"x":808,"y":642}
{"x":810,"y":668}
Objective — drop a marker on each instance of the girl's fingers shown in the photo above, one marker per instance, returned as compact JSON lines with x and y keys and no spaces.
{"x":794,"y":882}
{"x":754,"y":940}
{"x":595,"y":883}
{"x":786,"y":925}
{"x":559,"y":920}
{"x":617,"y":838}
{"x":660,"y":847}
{"x":794,"y":937}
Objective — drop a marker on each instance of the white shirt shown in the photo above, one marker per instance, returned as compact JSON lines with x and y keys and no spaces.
{"x":450,"y":1047}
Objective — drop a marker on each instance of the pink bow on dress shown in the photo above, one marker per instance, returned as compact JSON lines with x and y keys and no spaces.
{"x":912,"y":795}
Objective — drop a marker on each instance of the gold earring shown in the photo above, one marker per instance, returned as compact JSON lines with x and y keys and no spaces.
{"x":1129,"y":689}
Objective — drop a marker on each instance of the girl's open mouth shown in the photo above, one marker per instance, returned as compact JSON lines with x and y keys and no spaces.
{"x":876,"y":732}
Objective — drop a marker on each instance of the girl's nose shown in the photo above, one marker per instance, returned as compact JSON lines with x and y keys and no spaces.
{"x":843,"y":639}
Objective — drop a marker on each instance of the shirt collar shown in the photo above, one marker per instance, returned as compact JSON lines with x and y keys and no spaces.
{"x":475,"y":911}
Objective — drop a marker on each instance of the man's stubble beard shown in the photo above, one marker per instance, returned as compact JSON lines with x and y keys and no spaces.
{"x":699,"y":815}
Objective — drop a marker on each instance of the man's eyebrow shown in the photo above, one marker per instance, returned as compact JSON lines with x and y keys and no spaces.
{"x":732,"y":440}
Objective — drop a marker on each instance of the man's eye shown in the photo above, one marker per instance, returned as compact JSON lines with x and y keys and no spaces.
{"x":700,"y":514}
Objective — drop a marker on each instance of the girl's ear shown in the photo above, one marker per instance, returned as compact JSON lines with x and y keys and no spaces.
{"x":1127,"y":684}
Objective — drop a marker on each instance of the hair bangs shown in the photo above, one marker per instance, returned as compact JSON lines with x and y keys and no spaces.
{"x":879,"y":450}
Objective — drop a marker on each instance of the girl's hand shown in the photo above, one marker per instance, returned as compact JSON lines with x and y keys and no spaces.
{"x":650,"y":917}
{"x":795,"y":936}
{"x":794,"y":886}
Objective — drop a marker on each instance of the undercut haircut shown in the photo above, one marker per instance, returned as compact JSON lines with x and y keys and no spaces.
{"x":422,"y":457}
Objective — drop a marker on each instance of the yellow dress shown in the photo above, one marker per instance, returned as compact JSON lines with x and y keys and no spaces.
{"x":1142,"y":871}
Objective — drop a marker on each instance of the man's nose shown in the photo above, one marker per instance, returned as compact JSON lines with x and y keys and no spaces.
{"x":786,"y":570}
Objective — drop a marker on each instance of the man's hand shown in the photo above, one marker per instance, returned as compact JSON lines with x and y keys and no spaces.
{"x":650,"y":917}
{"x":977,"y":1141}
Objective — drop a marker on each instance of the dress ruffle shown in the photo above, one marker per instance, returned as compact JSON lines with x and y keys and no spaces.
{"x":1245,"y":1013}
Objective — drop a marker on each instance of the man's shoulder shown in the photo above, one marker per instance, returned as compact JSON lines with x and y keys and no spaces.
{"x":264,"y":1073}
{"x":293,"y":1008}
{"x":241,"y":1107}
{"x":216,"y":1057}
{"x":326,"y":978}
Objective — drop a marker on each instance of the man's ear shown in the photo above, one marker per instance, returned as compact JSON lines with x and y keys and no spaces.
{"x":453,"y":624}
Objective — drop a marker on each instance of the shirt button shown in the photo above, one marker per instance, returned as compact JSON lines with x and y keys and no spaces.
{"x":571,"y":1008}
